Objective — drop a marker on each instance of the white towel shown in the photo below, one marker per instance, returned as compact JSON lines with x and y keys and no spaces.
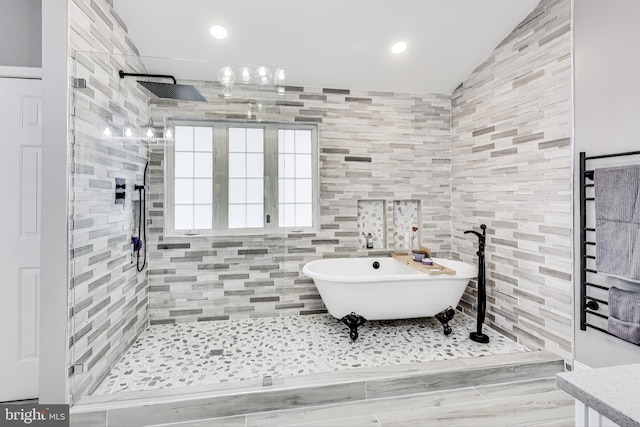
{"x":617,"y":194}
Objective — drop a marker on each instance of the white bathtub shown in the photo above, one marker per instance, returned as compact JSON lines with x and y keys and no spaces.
{"x":392,"y":291}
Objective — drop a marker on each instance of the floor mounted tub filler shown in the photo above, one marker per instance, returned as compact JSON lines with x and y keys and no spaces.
{"x":355,"y":290}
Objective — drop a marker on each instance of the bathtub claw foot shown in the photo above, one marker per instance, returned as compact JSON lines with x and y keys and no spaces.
{"x":444,"y":317}
{"x":353,"y":320}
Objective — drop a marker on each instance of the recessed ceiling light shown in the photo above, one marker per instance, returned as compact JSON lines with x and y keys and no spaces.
{"x":218,"y":32}
{"x":399,"y":47}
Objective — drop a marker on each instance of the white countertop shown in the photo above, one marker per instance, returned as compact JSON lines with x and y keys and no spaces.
{"x":614,"y":392}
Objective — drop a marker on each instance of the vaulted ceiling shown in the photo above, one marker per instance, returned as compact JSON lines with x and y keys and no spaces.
{"x":326,"y":43}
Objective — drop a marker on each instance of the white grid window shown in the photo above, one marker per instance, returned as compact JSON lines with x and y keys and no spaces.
{"x":225,"y":178}
{"x":193,"y":178}
{"x":295,"y":173}
{"x":246,"y":178}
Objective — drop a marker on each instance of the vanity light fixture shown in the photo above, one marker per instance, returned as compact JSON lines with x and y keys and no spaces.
{"x":107,"y":132}
{"x":245,"y":75}
{"x":399,"y":47}
{"x":218,"y":32}
{"x":149,"y":133}
{"x":261,"y":76}
{"x":226,"y":76}
{"x":278,"y":80}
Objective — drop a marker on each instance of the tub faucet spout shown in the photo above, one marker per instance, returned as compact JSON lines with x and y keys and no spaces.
{"x":481,"y":238}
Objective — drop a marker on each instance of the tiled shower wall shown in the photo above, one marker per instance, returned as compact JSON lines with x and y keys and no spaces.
{"x":511,"y":167}
{"x":372,"y":146}
{"x":108,"y":298}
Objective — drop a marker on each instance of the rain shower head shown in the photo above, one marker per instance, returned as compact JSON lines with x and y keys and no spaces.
{"x":167,"y":90}
{"x":173,"y":91}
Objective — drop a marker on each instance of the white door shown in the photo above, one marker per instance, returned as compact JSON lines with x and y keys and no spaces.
{"x":20,"y":159}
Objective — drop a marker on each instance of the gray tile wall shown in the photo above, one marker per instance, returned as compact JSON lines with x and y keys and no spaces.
{"x":373,"y":146}
{"x":108,"y":298}
{"x":511,"y":168}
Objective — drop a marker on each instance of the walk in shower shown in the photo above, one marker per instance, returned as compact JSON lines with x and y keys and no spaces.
{"x":174,"y":214}
{"x":198,"y":192}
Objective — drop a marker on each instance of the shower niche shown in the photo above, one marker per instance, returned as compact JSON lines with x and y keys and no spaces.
{"x":406,"y":217}
{"x":372,"y":220}
{"x":390,"y":223}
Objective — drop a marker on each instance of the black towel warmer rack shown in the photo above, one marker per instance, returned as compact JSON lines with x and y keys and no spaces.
{"x":588,"y":304}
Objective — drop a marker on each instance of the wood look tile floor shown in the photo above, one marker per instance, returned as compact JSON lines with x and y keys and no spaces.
{"x":525,"y":403}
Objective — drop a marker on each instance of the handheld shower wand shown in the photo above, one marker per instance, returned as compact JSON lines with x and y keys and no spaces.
{"x":141,"y":240}
{"x":478,"y":336}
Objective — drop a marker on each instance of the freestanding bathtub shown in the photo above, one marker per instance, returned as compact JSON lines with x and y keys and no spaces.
{"x":358,"y":289}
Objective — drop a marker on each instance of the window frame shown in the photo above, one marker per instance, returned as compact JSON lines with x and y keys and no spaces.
{"x":220,"y":205}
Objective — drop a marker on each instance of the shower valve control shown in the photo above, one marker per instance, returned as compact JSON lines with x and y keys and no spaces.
{"x":120,"y":191}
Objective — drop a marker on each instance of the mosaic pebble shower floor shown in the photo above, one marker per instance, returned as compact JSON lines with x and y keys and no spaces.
{"x":209,"y":353}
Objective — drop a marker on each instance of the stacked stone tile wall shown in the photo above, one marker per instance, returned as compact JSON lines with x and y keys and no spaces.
{"x":511,"y":170}
{"x":372,"y":146}
{"x":108,"y":298}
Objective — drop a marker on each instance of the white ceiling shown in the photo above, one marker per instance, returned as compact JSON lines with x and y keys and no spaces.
{"x":327,"y":43}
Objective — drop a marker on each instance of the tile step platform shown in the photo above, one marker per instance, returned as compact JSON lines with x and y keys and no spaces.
{"x":165,"y":406}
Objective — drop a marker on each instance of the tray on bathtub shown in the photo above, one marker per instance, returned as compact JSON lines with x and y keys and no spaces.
{"x":432,"y":270}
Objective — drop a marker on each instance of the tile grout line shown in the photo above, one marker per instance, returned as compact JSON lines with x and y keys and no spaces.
{"x":475,"y":388}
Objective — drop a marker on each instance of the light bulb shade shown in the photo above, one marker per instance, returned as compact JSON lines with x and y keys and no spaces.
{"x":218,"y":32}
{"x":107,"y":131}
{"x":245,"y":75}
{"x":226,"y":76}
{"x":168,"y":134}
{"x":278,"y":77}
{"x":399,"y":47}
{"x":262,"y":75}
{"x":149,"y":133}
{"x":128,"y":133}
